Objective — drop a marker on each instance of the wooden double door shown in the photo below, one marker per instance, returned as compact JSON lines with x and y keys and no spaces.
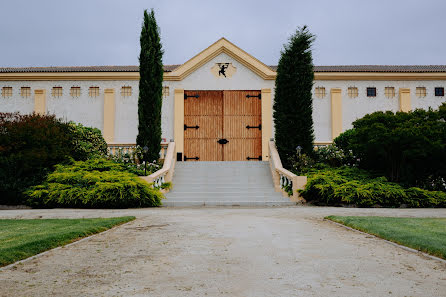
{"x":222,"y":126}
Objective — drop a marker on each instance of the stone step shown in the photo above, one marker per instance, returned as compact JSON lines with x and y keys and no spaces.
{"x":225,"y":203}
{"x":224,"y":184}
{"x":217,"y":195}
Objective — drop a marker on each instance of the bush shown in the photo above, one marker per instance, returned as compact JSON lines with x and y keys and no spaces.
{"x":344,"y":185}
{"x":87,"y":142}
{"x":334,"y":156}
{"x":96,"y":183}
{"x":409,"y":148}
{"x":30,"y":145}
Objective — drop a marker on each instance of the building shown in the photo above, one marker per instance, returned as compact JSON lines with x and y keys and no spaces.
{"x":217,"y":105}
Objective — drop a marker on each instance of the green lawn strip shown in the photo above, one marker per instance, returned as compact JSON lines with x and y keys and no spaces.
{"x":20,"y":239}
{"x":423,"y":234}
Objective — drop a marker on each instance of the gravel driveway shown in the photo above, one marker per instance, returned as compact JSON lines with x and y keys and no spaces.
{"x":227,"y":252}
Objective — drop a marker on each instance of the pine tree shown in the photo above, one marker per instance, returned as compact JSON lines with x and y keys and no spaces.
{"x":293,"y":103}
{"x":150,"y":88}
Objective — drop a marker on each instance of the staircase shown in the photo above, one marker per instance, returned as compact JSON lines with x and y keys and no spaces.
{"x":223,"y":184}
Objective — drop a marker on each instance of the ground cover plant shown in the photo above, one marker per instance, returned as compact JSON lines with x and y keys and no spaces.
{"x":96,"y":183}
{"x":20,"y":239}
{"x":424,"y":234}
{"x":353,"y":186}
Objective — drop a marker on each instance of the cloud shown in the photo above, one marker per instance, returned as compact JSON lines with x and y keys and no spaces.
{"x":65,"y":33}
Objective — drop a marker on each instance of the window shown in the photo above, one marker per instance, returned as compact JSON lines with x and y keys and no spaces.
{"x":371,"y":92}
{"x":6,"y":92}
{"x":25,"y":92}
{"x":320,"y":92}
{"x":420,"y":92}
{"x":389,"y":92}
{"x":126,"y":91}
{"x":439,"y":92}
{"x":75,"y":91}
{"x":165,"y":91}
{"x":352,"y":92}
{"x":56,"y":92}
{"x":93,"y":91}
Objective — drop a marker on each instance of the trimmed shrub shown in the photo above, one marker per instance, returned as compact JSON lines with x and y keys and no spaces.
{"x":408,"y":148}
{"x":30,"y":145}
{"x":87,"y":142}
{"x":353,"y":186}
{"x":96,"y":183}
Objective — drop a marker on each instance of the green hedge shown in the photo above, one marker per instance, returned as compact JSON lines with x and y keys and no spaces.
{"x":406,"y":147}
{"x":96,"y":183}
{"x":353,"y":186}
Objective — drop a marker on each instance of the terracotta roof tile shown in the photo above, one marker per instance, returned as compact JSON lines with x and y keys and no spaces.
{"x":170,"y":68}
{"x":378,"y":68}
{"x":167,"y":68}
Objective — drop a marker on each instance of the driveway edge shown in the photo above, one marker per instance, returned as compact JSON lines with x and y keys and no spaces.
{"x":390,"y":242}
{"x":62,"y":246}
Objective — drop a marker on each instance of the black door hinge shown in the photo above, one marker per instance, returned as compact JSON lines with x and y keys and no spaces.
{"x":222,"y":141}
{"x":254,"y":127}
{"x":190,"y":96}
{"x":254,"y":96}
{"x":194,"y":158}
{"x":191,"y":127}
{"x":259,"y":158}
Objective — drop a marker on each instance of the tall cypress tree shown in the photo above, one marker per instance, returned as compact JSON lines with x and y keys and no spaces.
{"x":293,"y":102}
{"x":150,"y":88}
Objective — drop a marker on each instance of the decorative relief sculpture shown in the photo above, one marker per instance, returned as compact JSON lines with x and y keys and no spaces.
{"x":223,"y":70}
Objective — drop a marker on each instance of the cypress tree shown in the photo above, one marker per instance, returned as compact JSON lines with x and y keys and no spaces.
{"x":150,"y":88}
{"x":293,"y":102}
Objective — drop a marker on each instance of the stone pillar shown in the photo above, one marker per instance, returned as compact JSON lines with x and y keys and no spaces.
{"x":40,"y":101}
{"x":179,"y":123}
{"x":267,"y":122}
{"x":405,"y":103}
{"x":109,"y":115}
{"x":336,"y":112}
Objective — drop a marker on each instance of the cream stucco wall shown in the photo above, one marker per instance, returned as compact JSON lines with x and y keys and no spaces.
{"x":90,"y":111}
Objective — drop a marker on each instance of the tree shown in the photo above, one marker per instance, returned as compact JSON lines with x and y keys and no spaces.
{"x":150,"y":88}
{"x":293,"y":102}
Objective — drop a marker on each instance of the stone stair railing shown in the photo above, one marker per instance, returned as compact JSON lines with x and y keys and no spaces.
{"x":165,"y":174}
{"x":284,"y":180}
{"x":128,"y":148}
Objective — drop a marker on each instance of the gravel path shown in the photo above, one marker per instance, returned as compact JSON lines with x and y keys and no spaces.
{"x":227,"y":252}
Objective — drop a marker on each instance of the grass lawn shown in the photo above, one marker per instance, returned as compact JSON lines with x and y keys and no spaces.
{"x":424,"y":234}
{"x":20,"y":239}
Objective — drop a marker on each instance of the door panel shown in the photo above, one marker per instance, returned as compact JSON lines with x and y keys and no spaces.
{"x":241,"y":111}
{"x":205,"y":149}
{"x":206,"y":112}
{"x":236,"y":103}
{"x":235,"y":126}
{"x":239,"y":149}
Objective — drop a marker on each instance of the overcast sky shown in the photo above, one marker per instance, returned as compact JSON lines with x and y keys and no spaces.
{"x":106,"y":32}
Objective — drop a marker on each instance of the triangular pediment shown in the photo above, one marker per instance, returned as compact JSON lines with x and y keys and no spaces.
{"x":230,"y":49}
